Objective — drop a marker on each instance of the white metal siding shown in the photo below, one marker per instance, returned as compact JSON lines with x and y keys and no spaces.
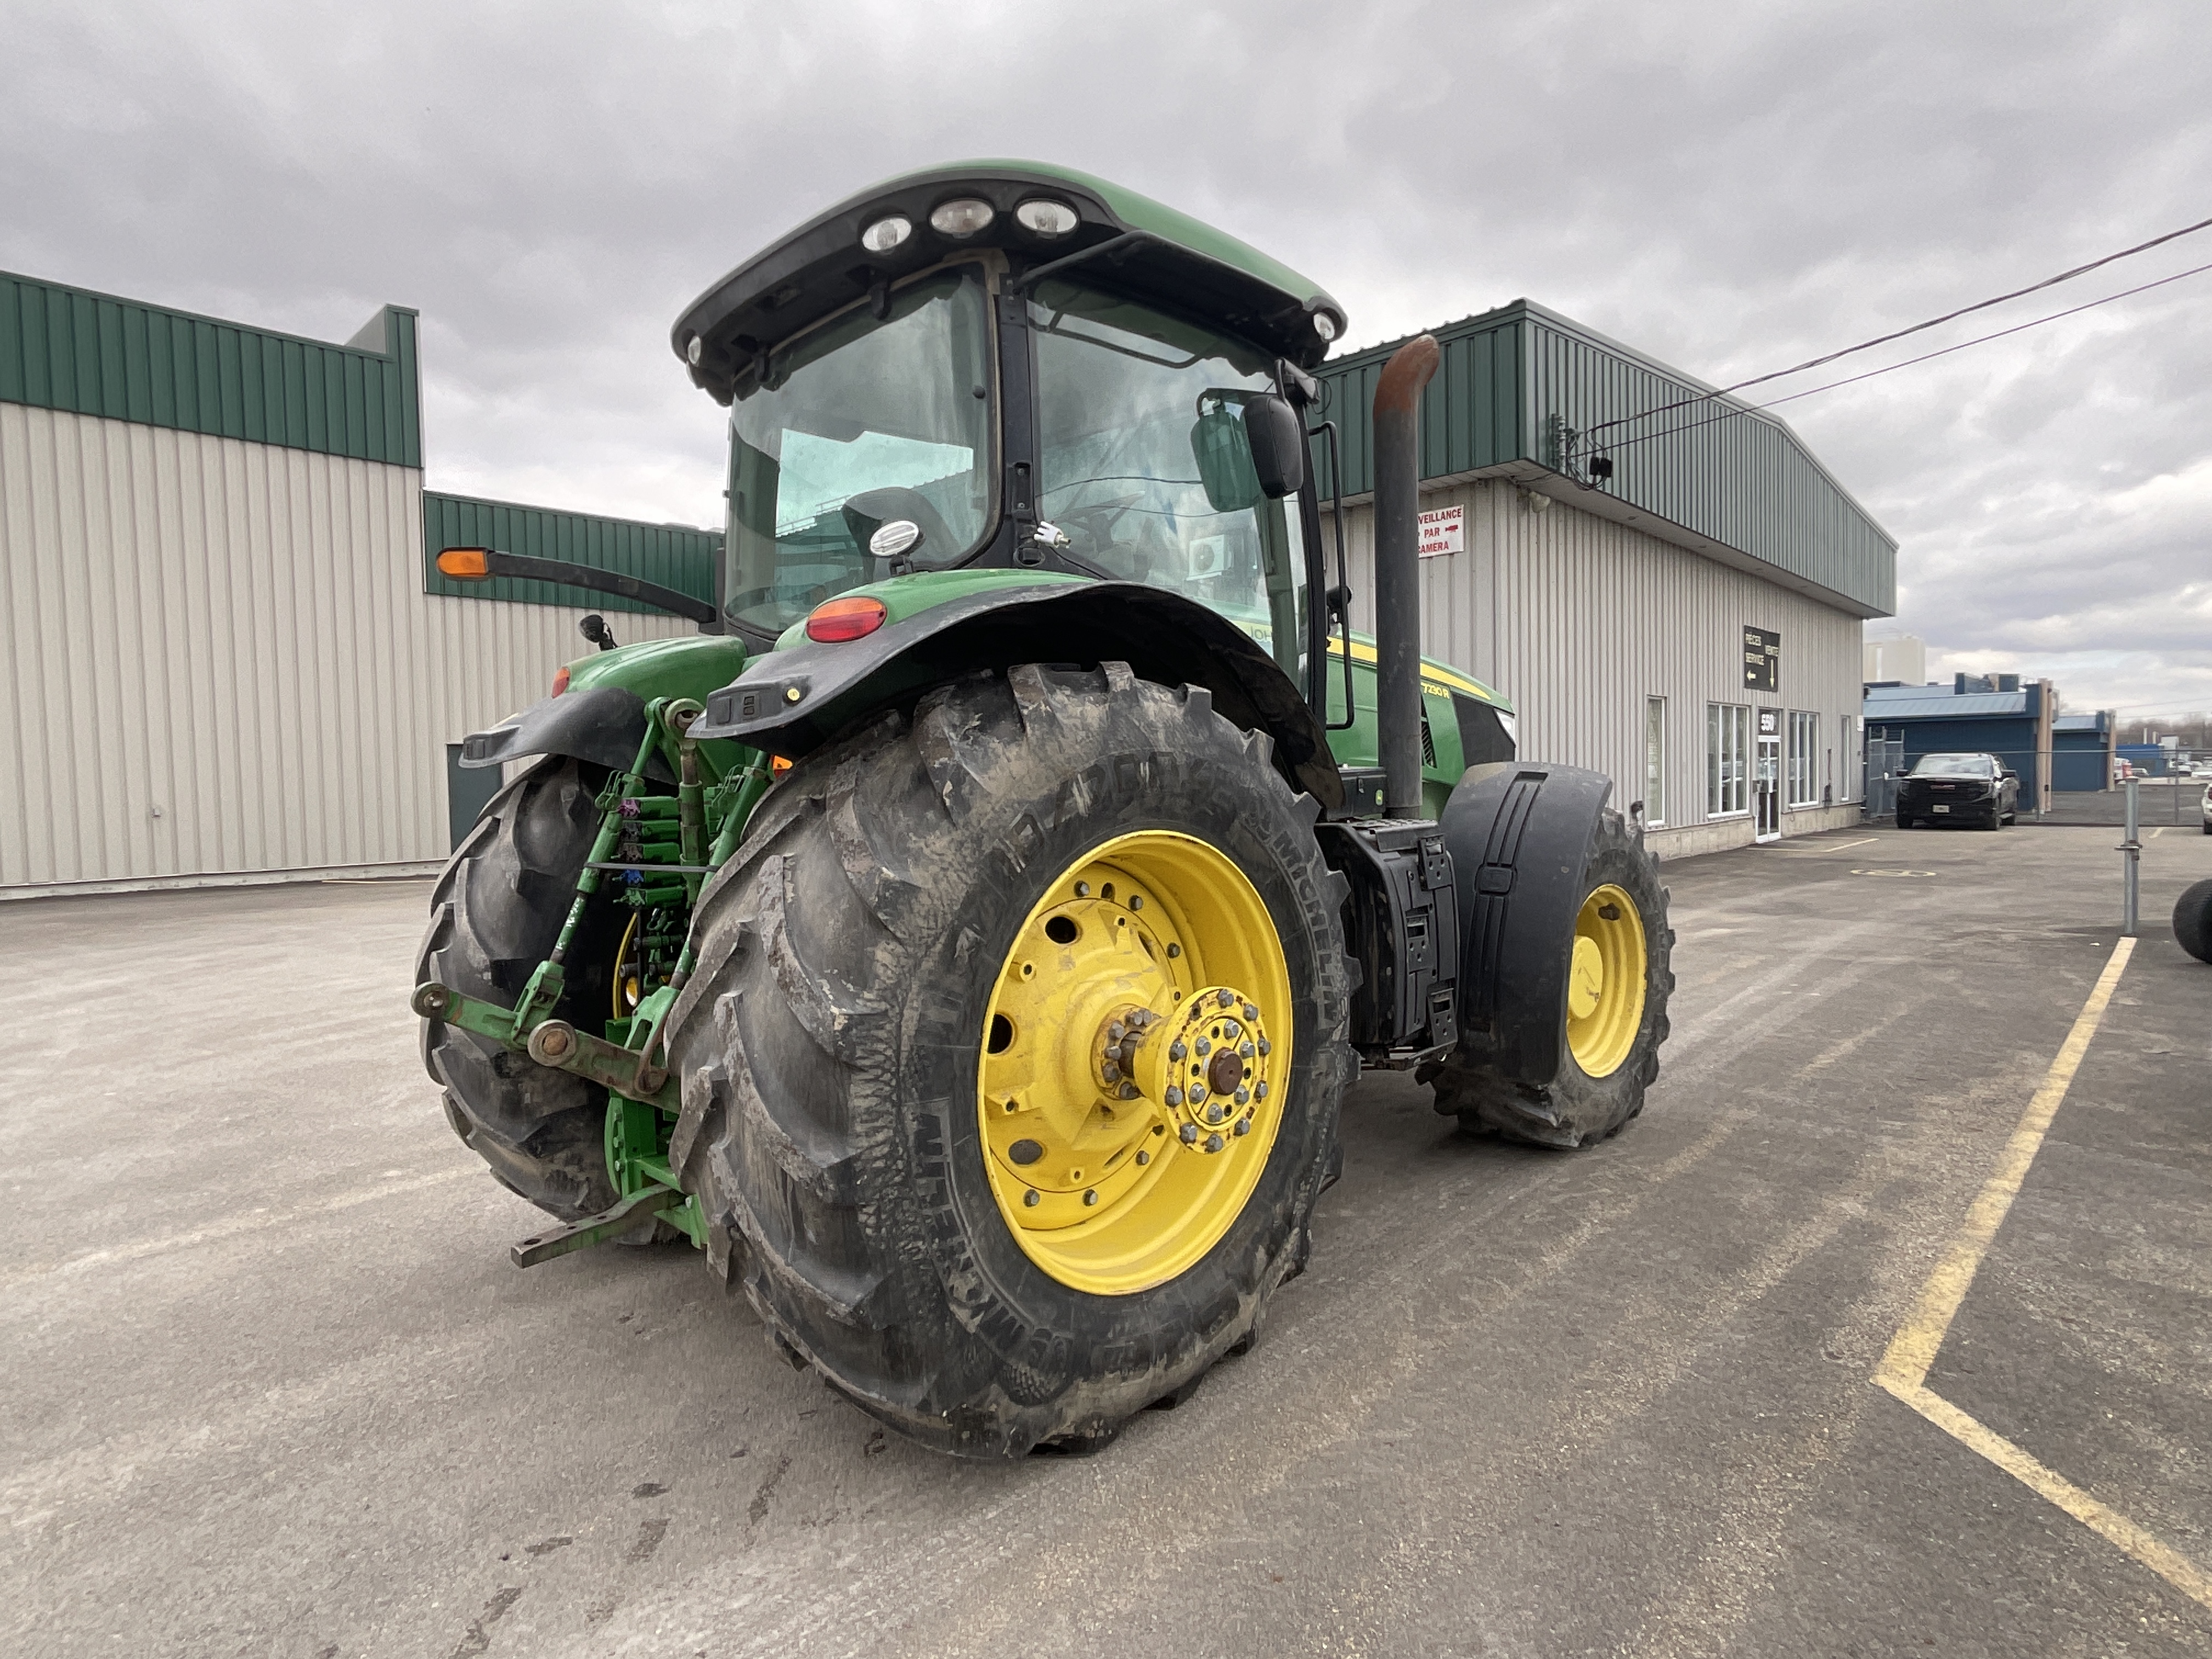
{"x":1577,"y":620}
{"x":221,"y":662}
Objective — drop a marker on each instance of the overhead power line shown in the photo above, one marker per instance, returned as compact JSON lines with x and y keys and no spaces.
{"x":1900,"y":334}
{"x":1926,"y":357}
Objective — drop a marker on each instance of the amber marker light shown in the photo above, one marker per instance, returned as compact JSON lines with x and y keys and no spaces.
{"x":560,"y":679}
{"x":467,"y":563}
{"x":850,"y":619}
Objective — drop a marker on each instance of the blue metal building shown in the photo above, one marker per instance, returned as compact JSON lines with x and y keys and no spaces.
{"x":2082,"y":759}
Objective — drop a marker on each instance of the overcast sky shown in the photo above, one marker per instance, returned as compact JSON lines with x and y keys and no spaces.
{"x":1730,"y":188}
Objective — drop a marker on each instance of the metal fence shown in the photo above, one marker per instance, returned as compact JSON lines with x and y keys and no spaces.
{"x":1885,"y":764}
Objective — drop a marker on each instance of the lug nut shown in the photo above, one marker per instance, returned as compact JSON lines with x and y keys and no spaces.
{"x":1144,"y":1158}
{"x":1251,"y":1011}
{"x":1029,"y":1199}
{"x":1083,"y":889}
{"x":1264,"y":1045}
{"x":1174,"y":1096}
{"x":1213,"y":1115}
{"x":1128,"y":1091}
{"x":1197,"y":1096}
{"x":1260,"y":1089}
{"x":1174,"y":951}
{"x":1189,"y":1133}
{"x":1243,"y":1097}
{"x":1214,"y":1143}
{"x":1136,"y":901}
{"x":1117,"y":1030}
{"x":1112,"y":1071}
{"x":1090,"y":1196}
{"x":1243,"y":1126}
{"x":1245,"y":1049}
{"x":1175,"y":1050}
{"x":1203,"y":1047}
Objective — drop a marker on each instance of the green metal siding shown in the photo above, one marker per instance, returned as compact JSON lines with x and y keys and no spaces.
{"x":1512,"y":379}
{"x":87,"y":354}
{"x":674,"y":556}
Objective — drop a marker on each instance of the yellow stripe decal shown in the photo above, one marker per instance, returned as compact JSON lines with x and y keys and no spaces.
{"x":1451,"y":680}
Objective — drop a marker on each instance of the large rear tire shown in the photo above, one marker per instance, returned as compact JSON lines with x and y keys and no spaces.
{"x":495,"y":916}
{"x":1613,"y":1016}
{"x":922,"y":906}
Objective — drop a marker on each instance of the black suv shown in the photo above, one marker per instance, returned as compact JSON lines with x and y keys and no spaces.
{"x":1976,"y":789}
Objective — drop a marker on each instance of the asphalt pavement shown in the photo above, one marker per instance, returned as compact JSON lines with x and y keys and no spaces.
{"x":272,"y":1387}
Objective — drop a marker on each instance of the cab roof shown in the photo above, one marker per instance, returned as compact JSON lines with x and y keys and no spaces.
{"x":1164,"y":256}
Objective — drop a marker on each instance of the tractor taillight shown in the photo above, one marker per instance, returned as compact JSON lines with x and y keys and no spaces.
{"x":560,"y":679}
{"x":849,"y":619}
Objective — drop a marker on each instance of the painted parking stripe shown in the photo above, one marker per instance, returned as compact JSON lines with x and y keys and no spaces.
{"x":1904,"y":1369}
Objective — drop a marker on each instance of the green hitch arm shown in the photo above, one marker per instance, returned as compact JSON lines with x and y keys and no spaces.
{"x":543,"y":994}
{"x":556,"y":1043}
{"x":634,"y":1212}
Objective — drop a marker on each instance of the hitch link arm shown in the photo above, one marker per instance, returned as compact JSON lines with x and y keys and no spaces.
{"x":556,"y":1043}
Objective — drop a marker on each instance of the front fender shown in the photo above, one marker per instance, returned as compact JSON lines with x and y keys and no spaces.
{"x":1519,"y":836}
{"x":602,"y":723}
{"x":789,"y":702}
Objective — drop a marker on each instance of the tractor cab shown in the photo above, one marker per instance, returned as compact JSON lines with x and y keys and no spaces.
{"x":999,"y":367}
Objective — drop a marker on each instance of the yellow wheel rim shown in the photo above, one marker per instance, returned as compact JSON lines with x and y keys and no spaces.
{"x":1135,"y":1057}
{"x":1604,"y":982}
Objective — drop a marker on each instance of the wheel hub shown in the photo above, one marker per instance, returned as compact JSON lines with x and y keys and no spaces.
{"x":1129,"y":1084}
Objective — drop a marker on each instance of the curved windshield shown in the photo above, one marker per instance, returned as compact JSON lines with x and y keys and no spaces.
{"x":1144,"y":464}
{"x":861,"y":422}
{"x":1951,"y":766}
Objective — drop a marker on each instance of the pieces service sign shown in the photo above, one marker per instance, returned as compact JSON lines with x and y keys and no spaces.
{"x":1444,"y":531}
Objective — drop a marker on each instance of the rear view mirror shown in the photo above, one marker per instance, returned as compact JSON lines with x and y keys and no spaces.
{"x":1278,"y":438}
{"x":1221,"y":445}
{"x":1249,"y":445}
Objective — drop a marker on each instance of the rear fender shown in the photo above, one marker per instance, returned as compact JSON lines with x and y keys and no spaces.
{"x":790,"y":702}
{"x":601,"y":724}
{"x":1519,"y":836}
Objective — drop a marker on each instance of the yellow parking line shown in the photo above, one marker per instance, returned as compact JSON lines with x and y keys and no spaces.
{"x":1913,"y":1350}
{"x":1904,"y":1369}
{"x":2107,"y":1522}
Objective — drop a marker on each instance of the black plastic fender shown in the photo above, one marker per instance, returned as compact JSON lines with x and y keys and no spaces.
{"x":1519,"y":836}
{"x":601,"y":724}
{"x":789,"y":702}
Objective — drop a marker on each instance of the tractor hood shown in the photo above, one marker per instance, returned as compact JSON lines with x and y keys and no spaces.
{"x":1036,"y":214}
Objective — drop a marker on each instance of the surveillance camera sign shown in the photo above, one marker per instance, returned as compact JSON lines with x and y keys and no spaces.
{"x":1444,"y":531}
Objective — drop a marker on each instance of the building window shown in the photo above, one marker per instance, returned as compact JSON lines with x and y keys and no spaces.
{"x":1804,"y":739}
{"x":1655,"y":759}
{"x":1728,"y":753}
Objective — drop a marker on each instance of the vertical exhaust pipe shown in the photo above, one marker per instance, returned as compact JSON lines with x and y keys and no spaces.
{"x":1398,"y":571}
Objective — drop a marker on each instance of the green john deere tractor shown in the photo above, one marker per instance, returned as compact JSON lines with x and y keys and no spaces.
{"x":968,"y":939}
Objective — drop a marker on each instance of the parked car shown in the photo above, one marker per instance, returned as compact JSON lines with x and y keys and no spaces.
{"x":2204,"y":806}
{"x":1976,"y":789}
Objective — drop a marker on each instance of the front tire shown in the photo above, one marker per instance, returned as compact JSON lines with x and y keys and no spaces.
{"x":1903,"y":821}
{"x":1613,"y":1020}
{"x":841,"y":1042}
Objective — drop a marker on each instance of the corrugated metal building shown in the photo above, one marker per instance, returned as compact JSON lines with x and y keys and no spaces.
{"x":1674,"y":598}
{"x":229,"y":655}
{"x":2083,"y":751}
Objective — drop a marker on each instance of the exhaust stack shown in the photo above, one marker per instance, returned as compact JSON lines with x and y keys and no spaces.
{"x":1398,"y":573}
